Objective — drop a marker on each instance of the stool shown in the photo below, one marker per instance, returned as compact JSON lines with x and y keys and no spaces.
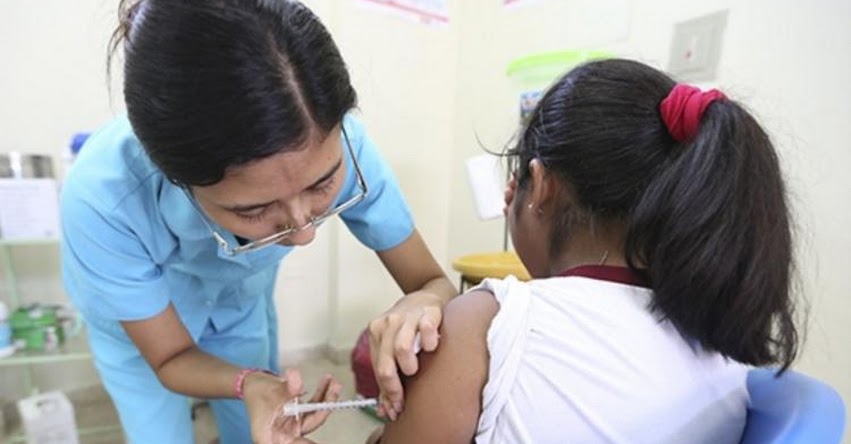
{"x":475,"y":267}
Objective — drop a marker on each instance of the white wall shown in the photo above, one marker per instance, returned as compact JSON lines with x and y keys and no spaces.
{"x":52,"y":84}
{"x":486,"y":115}
{"x":405,"y":78}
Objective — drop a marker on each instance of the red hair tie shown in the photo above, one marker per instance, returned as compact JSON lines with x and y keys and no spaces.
{"x":683,"y":108}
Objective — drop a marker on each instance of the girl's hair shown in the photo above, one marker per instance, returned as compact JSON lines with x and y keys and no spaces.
{"x":215,"y":84}
{"x":707,"y":220}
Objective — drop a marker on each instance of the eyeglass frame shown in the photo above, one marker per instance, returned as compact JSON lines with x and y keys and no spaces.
{"x":272,"y":239}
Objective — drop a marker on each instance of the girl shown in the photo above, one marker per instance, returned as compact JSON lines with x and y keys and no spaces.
{"x":653,"y":220}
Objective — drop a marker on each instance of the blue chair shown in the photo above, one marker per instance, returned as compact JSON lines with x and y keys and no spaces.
{"x":792,"y":409}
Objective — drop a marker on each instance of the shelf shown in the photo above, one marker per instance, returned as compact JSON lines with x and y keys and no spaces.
{"x":74,"y":349}
{"x":33,"y":241}
{"x":82,"y":433}
{"x":8,"y":267}
{"x":94,"y":414}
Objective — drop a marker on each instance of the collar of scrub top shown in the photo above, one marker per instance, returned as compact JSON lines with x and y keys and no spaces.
{"x":225,"y":249}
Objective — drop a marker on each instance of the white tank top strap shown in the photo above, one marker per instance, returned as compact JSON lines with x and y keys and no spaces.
{"x":507,"y":337}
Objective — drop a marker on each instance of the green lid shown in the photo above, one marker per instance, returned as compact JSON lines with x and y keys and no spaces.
{"x":556,"y":61}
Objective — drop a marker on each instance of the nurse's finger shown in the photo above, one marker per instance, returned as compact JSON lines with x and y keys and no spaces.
{"x":292,"y":379}
{"x":379,"y":410}
{"x":322,"y":388}
{"x":404,"y":347}
{"x":381,"y":335}
{"x":387,"y":376}
{"x":328,"y":391}
{"x":428,"y":334}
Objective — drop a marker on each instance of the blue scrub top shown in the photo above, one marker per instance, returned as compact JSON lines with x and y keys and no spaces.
{"x":132,"y":241}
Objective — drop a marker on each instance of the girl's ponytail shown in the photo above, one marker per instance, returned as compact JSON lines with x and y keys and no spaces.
{"x":713,"y":232}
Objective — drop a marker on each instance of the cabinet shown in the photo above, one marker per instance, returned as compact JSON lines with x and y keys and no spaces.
{"x":74,"y":348}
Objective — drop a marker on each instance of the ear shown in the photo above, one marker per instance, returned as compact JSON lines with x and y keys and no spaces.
{"x":542,"y":189}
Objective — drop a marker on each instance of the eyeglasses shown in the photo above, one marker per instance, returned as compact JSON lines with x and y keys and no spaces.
{"x":272,"y":239}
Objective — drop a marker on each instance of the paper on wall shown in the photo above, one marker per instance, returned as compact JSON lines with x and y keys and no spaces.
{"x":431,"y":12}
{"x":29,"y":209}
{"x":486,"y":179}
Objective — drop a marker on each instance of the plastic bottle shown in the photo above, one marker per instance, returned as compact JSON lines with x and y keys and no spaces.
{"x":532,"y":74}
{"x":77,"y":141}
{"x":6,"y":347}
{"x":51,"y":339}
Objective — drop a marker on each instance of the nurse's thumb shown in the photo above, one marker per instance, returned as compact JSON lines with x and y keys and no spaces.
{"x":295,"y":385}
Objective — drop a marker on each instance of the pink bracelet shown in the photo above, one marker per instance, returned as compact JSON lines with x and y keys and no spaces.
{"x":239,"y":381}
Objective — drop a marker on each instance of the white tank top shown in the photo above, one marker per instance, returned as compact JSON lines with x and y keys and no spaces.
{"x":583,"y":360}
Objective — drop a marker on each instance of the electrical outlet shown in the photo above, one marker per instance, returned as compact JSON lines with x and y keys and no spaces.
{"x":696,"y":47}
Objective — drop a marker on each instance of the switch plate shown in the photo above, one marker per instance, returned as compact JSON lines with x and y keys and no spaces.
{"x":696,"y":47}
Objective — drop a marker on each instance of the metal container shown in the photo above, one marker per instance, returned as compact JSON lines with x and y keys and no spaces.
{"x":5,"y":166}
{"x":25,"y":166}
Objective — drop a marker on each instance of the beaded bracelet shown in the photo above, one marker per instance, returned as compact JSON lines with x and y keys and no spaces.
{"x":239,"y":381}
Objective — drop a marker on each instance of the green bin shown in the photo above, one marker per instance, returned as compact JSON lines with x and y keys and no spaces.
{"x":34,"y":325}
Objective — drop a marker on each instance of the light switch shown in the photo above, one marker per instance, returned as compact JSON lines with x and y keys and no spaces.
{"x":696,"y":47}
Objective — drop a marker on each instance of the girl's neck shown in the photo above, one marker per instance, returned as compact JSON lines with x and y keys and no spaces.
{"x":611,"y":258}
{"x":602,"y":248}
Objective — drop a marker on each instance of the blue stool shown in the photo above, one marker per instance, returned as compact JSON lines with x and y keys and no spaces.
{"x":792,"y":409}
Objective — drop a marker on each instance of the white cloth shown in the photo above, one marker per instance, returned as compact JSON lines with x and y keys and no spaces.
{"x":580,"y":360}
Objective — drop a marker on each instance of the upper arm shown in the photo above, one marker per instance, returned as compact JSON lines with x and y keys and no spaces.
{"x":107,"y":270}
{"x":443,"y":400}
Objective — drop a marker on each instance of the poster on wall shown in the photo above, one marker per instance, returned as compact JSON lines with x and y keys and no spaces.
{"x":430,"y":12}
{"x":513,"y":3}
{"x":610,"y":17}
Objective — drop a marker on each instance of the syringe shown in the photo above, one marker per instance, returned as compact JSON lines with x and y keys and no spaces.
{"x":296,"y":409}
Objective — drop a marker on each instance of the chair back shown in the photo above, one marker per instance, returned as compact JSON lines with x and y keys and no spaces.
{"x":792,"y":409}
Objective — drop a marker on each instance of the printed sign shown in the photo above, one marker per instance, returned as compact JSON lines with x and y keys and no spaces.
{"x":432,"y":12}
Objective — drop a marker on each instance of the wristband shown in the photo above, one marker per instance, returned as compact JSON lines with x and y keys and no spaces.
{"x":239,"y":381}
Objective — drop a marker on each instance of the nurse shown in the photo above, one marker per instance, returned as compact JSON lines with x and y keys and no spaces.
{"x":238,"y":144}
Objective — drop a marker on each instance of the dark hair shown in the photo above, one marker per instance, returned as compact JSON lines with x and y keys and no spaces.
{"x":215,"y":84}
{"x":706,"y":220}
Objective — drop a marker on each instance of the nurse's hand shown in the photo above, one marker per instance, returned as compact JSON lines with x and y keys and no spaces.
{"x":265,"y":396}
{"x":392,"y":341}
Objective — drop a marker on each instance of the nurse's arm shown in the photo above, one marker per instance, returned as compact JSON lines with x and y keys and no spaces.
{"x":427,"y":290}
{"x":180,"y":365}
{"x":184,"y":368}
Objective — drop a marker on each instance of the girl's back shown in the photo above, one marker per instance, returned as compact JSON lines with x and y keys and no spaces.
{"x":582,"y":359}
